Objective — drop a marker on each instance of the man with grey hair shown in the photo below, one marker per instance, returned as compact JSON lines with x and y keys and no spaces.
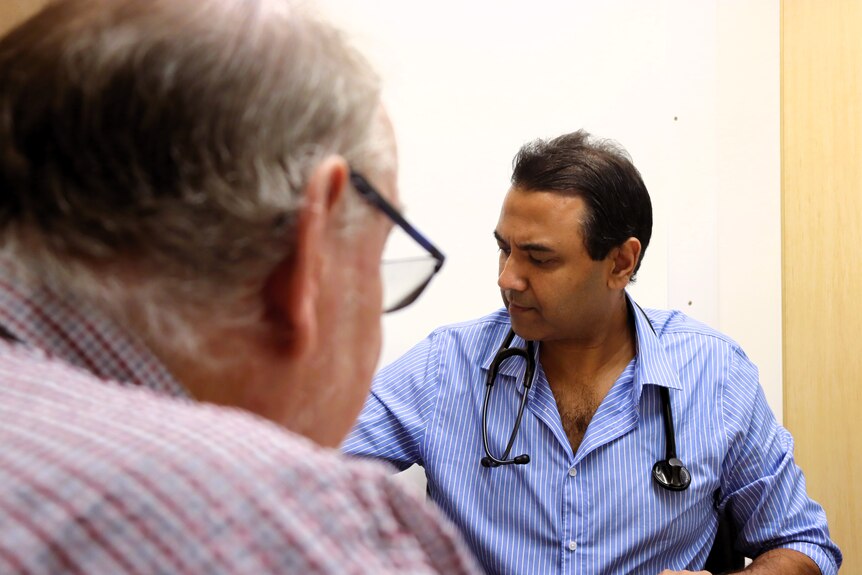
{"x":190,"y":295}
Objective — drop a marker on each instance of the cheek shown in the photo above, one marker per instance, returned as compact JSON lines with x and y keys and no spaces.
{"x":371,"y":289}
{"x":369,"y":300}
{"x":373,"y":270}
{"x":556,"y":299}
{"x":367,"y":344}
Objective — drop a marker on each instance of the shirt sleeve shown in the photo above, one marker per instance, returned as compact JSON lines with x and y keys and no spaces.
{"x":762,"y":487}
{"x":393,"y":421}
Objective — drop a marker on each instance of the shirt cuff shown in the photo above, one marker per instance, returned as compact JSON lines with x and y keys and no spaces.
{"x":824,"y":560}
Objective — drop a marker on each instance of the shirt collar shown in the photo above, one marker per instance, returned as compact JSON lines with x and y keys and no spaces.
{"x":78,"y":334}
{"x":653,"y":366}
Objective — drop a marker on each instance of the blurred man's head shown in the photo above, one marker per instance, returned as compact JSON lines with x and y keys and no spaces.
{"x":184,"y":165}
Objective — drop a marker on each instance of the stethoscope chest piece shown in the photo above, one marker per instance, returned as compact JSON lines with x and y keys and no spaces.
{"x":671,"y":474}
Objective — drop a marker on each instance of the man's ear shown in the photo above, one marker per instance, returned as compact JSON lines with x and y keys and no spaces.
{"x":292,"y":290}
{"x":624,"y":259}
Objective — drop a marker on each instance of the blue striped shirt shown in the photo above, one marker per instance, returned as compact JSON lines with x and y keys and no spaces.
{"x":597,"y":510}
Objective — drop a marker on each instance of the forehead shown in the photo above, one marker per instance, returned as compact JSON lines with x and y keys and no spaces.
{"x":541,"y":216}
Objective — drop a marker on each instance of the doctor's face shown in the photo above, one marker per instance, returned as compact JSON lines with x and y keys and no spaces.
{"x":552,"y":288}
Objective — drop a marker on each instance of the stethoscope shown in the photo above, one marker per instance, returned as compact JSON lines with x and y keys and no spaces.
{"x":669,"y":473}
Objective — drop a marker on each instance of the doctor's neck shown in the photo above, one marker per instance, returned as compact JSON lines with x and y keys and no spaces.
{"x":610,"y":345}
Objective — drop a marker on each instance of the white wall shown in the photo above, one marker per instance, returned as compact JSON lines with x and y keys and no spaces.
{"x":689,"y":87}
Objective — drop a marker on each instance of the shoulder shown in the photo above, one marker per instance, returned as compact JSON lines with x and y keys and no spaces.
{"x":498,"y":319}
{"x":477,"y":335}
{"x":242,"y":494}
{"x":468,"y":342}
{"x":168,"y":443}
{"x":702,"y":357}
{"x":675,"y":328}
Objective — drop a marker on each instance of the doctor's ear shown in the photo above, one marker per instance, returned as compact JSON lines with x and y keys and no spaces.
{"x":624,"y":258}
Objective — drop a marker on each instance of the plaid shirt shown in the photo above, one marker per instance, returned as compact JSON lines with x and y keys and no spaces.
{"x":107,"y":466}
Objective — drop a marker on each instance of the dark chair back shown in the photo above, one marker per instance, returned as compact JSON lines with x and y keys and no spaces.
{"x":723,"y":558}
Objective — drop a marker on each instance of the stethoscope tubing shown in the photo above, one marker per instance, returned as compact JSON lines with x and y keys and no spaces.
{"x":504,"y":353}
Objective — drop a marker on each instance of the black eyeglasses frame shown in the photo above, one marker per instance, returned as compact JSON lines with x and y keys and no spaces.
{"x":376,"y":199}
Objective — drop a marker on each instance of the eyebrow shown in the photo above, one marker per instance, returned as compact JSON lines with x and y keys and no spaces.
{"x":527,"y":247}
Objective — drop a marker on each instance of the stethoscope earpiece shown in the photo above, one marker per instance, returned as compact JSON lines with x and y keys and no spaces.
{"x":522,"y":459}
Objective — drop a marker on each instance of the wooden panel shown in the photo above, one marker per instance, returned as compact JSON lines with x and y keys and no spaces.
{"x":822,"y":255}
{"x":13,"y":11}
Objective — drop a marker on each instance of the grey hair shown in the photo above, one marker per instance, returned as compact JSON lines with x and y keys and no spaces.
{"x":153,"y":154}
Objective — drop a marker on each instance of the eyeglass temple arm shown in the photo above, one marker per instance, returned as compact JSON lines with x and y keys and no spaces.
{"x":375,"y":198}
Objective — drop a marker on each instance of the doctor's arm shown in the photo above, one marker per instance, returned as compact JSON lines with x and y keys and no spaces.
{"x":392,"y":423}
{"x":763,"y":490}
{"x":775,"y":562}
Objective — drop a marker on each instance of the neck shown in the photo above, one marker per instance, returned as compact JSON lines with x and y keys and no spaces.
{"x":214,"y":372}
{"x":253,"y":374}
{"x":610,"y":346}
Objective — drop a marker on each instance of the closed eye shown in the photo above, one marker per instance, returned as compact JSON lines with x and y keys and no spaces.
{"x":540,"y":260}
{"x":502,"y":245}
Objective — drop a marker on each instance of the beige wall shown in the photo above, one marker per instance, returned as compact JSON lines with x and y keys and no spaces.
{"x":822,"y":255}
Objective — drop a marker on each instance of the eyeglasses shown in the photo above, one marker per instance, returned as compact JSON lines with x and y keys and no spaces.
{"x":405,"y":278}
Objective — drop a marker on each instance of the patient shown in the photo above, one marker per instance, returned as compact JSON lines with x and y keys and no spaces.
{"x":193,"y":209}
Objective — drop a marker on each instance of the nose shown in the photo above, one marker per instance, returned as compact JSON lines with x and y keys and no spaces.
{"x":510,"y":279}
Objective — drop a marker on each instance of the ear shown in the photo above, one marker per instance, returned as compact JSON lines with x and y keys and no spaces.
{"x":292,"y":290}
{"x":624,"y":259}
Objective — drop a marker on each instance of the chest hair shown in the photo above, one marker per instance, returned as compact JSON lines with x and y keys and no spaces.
{"x":577,"y":404}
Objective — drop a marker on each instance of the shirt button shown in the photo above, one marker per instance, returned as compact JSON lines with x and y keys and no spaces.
{"x":572,"y":545}
{"x":573,"y":472}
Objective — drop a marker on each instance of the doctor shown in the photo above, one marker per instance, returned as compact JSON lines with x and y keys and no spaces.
{"x":610,"y":438}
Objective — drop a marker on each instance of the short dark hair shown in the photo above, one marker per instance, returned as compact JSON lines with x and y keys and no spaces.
{"x":599,"y":171}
